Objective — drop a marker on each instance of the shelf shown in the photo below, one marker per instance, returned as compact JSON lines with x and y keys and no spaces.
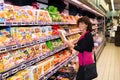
{"x":26,"y":64}
{"x":18,"y":46}
{"x":34,"y":23}
{"x":57,"y":67}
{"x":100,"y":48}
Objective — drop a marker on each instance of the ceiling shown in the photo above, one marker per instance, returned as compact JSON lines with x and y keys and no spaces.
{"x":116,"y":4}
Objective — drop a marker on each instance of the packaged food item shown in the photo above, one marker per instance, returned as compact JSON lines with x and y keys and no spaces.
{"x":54,"y":44}
{"x":6,"y":38}
{"x":24,"y":74}
{"x":43,"y":16}
{"x":30,"y":52}
{"x":18,"y":56}
{"x":54,"y":13}
{"x":15,"y":77}
{"x":55,"y":29}
{"x":9,"y":13}
{"x":8,"y":60}
{"x":56,"y":59}
{"x":49,"y":30}
{"x":43,"y":32}
{"x":45,"y":49}
{"x":37,"y":49}
{"x":31,"y":14}
{"x":46,"y":66}
{"x":59,"y":42}
{"x":2,"y":15}
{"x":21,"y":35}
{"x":1,"y":64}
{"x":36,"y":35}
{"x":28,"y":34}
{"x":33,"y":72}
{"x":40,"y":68}
{"x":49,"y":44}
{"x":17,"y":14}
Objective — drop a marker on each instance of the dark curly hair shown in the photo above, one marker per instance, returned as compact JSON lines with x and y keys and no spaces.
{"x":86,"y":20}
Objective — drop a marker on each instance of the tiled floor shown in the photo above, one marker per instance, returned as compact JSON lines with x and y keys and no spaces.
{"x":108,"y":64}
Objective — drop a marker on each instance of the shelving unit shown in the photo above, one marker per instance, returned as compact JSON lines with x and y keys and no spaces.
{"x":100,"y":48}
{"x":37,"y":59}
{"x":57,"y":67}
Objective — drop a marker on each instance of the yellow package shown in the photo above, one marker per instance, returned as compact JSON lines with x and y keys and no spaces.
{"x":40,"y":68}
{"x":33,"y":73}
{"x":15,"y":77}
{"x":9,"y":13}
{"x":21,"y":35}
{"x":24,"y":74}
{"x":28,"y":34}
{"x":1,"y":64}
{"x":8,"y":60}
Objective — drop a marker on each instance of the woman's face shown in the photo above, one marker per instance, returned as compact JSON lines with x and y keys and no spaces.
{"x":82,"y":26}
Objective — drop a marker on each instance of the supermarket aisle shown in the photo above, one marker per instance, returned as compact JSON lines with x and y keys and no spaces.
{"x":108,"y":64}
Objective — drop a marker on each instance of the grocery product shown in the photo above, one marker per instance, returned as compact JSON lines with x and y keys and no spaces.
{"x":6,"y":38}
{"x":55,"y":29}
{"x":49,"y":31}
{"x":7,"y":60}
{"x":33,"y":73}
{"x":54,"y":13}
{"x":37,"y":49}
{"x":15,"y":77}
{"x":36,"y":33}
{"x":40,"y":68}
{"x":28,"y":34}
{"x":45,"y":49}
{"x":2,"y":17}
{"x":19,"y":56}
{"x":24,"y":74}
{"x":1,"y":64}
{"x":49,"y":44}
{"x":43,"y":32}
{"x":46,"y":66}
{"x":9,"y":13}
{"x":43,"y":16}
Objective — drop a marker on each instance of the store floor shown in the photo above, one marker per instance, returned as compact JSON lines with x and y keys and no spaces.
{"x":108,"y":64}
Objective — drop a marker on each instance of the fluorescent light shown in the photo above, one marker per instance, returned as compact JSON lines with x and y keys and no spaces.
{"x":112,"y":2}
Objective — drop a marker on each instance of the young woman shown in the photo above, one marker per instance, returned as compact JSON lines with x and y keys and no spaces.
{"x":84,"y":45}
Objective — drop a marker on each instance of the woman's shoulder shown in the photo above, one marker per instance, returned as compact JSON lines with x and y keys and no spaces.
{"x":89,"y":34}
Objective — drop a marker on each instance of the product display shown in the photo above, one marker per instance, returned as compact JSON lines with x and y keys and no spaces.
{"x":32,"y":42}
{"x":41,"y":68}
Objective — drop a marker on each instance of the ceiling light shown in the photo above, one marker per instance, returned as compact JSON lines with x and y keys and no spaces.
{"x":112,"y":3}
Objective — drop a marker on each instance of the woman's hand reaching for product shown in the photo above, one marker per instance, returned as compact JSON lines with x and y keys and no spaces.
{"x":71,"y":45}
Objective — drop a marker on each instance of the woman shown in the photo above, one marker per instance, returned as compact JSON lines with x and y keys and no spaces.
{"x":84,"y":45}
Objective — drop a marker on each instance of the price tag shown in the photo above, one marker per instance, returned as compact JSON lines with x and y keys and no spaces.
{"x":23,"y":66}
{"x":2,"y":50}
{"x":5,"y":75}
{"x":23,"y":45}
{"x":14,"y":71}
{"x":38,"y":42}
{"x":14,"y":47}
{"x":32,"y":62}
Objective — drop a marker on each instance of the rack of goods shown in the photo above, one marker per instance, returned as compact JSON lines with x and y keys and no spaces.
{"x":30,"y":44}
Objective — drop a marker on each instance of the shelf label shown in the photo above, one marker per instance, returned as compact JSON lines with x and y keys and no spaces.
{"x":14,"y":47}
{"x":14,"y":71}
{"x":23,"y":66}
{"x":32,"y":62}
{"x":5,"y":75}
{"x":2,"y":50}
{"x":23,"y":45}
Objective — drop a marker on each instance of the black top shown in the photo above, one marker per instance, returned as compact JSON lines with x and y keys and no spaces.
{"x":85,"y":44}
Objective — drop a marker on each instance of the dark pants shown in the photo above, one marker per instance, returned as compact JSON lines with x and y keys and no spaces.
{"x":80,"y":75}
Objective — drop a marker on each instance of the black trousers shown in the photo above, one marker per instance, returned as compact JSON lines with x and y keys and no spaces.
{"x":80,"y":73}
